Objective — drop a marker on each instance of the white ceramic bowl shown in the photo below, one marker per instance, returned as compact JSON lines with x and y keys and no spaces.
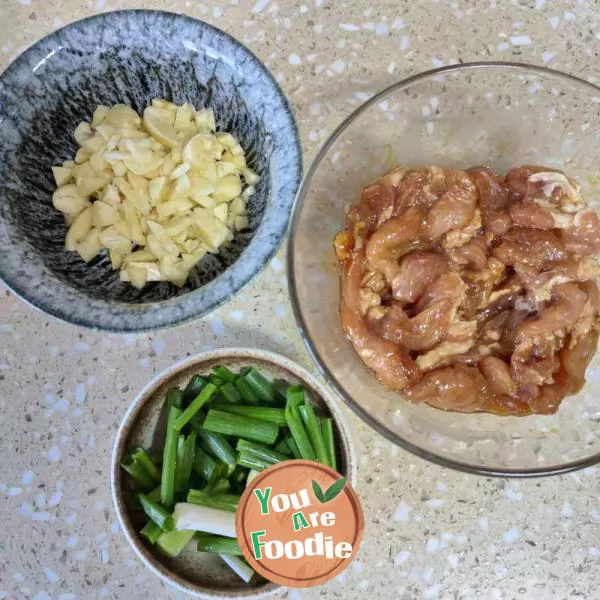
{"x":198,"y":574}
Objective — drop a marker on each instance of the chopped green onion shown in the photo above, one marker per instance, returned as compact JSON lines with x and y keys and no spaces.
{"x":193,"y":388}
{"x":297,"y":428}
{"x":208,"y":487}
{"x":293,"y":446}
{"x":140,"y":456}
{"x":175,"y":398}
{"x":222,"y":501}
{"x":261,"y":451}
{"x":186,"y":452}
{"x":238,"y":426}
{"x":151,"y":531}
{"x":167,"y":483}
{"x":307,"y":412}
{"x":157,"y":513}
{"x":221,"y":486}
{"x":142,"y":479}
{"x":241,"y":568}
{"x":263,"y":388}
{"x":202,"y":398}
{"x":283,"y":447}
{"x":197,"y":421}
{"x":218,"y":446}
{"x":328,"y":438}
{"x":222,"y":430}
{"x":217,"y":544}
{"x":254,"y":462}
{"x":239,"y":475}
{"x":204,"y":465}
{"x":221,"y":471}
{"x":216,"y":381}
{"x":224,"y":373}
{"x":295,"y":395}
{"x":230,"y":393}
{"x":246,"y":391}
{"x":260,"y":413}
{"x":154,"y":495}
{"x":172,"y":543}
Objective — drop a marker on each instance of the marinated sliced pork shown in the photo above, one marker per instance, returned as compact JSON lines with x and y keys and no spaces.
{"x":473,"y":293}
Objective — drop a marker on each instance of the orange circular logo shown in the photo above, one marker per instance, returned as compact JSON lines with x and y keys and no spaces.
{"x":299,"y":523}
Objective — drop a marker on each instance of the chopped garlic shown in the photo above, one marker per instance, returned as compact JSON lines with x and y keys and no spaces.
{"x":99,"y":115}
{"x":69,"y":200}
{"x":62,"y":175}
{"x":89,"y":247}
{"x":79,"y":228}
{"x":157,"y":192}
{"x":241,"y":222}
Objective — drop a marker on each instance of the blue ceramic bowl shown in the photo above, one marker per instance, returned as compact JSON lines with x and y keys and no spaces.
{"x":131,"y":57}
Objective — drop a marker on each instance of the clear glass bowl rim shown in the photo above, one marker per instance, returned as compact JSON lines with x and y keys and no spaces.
{"x":312,"y":350}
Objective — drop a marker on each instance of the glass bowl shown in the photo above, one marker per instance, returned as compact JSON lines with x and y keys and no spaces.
{"x":496,"y":114}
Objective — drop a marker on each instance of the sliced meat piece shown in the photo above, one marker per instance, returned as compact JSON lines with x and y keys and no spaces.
{"x":390,"y":186}
{"x":361,"y":217}
{"x":417,"y":271}
{"x":463,"y":388}
{"x":448,"y":286}
{"x":531,"y":215}
{"x":565,"y":308}
{"x":472,"y":255}
{"x":493,"y":201}
{"x":583,"y":236}
{"x":560,"y":190}
{"x":394,"y":238}
{"x":501,"y":299}
{"x":455,"y":208}
{"x":459,"y":237}
{"x":519,"y":183}
{"x":531,"y":365}
{"x":481,"y":285}
{"x":497,"y":374}
{"x":576,"y":356}
{"x":454,"y":388}
{"x":418,"y":333}
{"x":420,"y":188}
{"x":391,"y":364}
{"x":591,"y":309}
{"x":461,"y":331}
{"x":547,"y":198}
{"x":444,"y":353}
{"x":530,"y":247}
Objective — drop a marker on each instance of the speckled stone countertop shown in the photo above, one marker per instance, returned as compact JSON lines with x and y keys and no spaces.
{"x":430,"y":533}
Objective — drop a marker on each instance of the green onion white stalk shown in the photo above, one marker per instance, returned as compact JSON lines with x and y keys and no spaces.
{"x":203,"y":518}
{"x":239,"y":566}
